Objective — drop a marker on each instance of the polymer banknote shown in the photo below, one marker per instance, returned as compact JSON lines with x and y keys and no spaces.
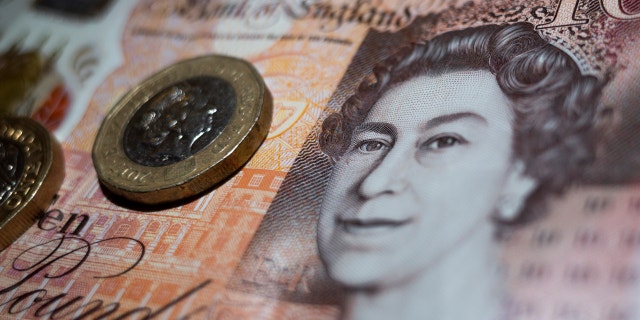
{"x":426,"y":160}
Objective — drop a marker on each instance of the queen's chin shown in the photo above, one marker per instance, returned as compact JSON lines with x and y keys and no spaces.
{"x":461,"y":284}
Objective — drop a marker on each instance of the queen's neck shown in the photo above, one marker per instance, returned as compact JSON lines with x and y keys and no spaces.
{"x":462,"y":284}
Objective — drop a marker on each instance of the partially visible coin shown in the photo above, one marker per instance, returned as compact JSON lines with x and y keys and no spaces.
{"x":31,"y":172}
{"x":183,"y":130}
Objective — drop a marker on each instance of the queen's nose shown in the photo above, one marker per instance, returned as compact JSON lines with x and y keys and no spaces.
{"x":387,"y":176}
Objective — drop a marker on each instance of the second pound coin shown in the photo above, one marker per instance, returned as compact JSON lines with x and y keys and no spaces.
{"x":183,"y":130}
{"x":31,"y":172}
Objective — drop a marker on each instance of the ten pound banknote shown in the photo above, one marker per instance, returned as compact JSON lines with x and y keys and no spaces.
{"x":426,"y":160}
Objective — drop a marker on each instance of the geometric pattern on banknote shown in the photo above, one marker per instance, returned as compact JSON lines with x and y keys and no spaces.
{"x":188,"y":243}
{"x":179,"y":121}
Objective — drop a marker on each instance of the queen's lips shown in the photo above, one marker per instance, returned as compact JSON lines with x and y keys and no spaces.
{"x":365,"y":226}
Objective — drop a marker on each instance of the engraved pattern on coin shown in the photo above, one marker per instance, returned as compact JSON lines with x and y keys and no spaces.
{"x":31,"y":172}
{"x":179,"y":121}
{"x":11,"y":168}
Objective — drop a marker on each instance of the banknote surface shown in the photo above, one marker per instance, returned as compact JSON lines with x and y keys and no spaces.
{"x":248,"y":249}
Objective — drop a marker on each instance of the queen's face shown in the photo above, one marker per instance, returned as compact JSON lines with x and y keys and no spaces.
{"x":424,"y":169}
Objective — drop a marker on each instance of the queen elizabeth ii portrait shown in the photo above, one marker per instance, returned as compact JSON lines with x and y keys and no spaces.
{"x":448,"y":145}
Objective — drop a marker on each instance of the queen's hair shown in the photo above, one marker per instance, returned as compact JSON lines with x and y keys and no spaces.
{"x":554,"y":105}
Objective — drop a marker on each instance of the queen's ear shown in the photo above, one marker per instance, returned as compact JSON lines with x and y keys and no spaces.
{"x":517,"y":188}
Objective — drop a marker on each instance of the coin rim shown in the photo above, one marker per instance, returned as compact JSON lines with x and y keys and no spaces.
{"x":15,"y":222}
{"x":235,"y":145}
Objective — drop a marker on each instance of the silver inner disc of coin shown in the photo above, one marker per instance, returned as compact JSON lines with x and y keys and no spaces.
{"x":179,"y":121}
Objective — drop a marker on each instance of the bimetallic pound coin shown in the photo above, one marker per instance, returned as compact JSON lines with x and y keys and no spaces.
{"x":183,"y":130}
{"x":31,"y":172}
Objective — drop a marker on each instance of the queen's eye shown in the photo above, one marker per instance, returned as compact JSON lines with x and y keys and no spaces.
{"x":441,"y":142}
{"x":371,"y":146}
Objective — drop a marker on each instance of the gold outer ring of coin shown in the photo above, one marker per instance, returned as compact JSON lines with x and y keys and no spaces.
{"x":42,"y":173}
{"x":227,"y":153}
